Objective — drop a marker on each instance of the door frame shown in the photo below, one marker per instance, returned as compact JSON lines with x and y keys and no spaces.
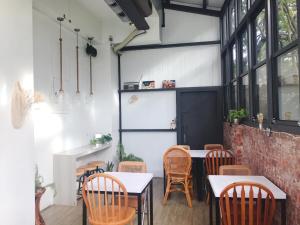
{"x":179,"y":92}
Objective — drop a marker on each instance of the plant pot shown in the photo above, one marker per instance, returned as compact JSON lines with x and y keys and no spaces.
{"x":38,"y":217}
{"x":236,"y":121}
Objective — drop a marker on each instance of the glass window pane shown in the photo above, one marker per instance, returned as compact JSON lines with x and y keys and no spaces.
{"x":243,"y":8}
{"x":288,"y":90}
{"x":224,"y":29}
{"x":232,"y":14}
{"x":234,"y":64}
{"x":234,"y":95}
{"x":245,"y":93}
{"x":261,"y":91}
{"x":260,"y":33}
{"x":286,"y":22}
{"x":245,"y":52}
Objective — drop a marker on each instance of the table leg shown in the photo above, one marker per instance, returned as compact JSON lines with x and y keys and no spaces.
{"x":84,"y":213}
{"x":283,"y":212}
{"x":210,"y":210}
{"x":164,"y":181}
{"x":217,"y":211}
{"x":139,"y":213}
{"x":151,"y":202}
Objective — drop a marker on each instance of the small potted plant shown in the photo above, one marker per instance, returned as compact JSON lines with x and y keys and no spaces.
{"x":235,"y":116}
{"x":105,"y":138}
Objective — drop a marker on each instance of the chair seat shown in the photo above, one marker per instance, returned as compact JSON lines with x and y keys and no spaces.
{"x":116,"y":216}
{"x":97,"y":163}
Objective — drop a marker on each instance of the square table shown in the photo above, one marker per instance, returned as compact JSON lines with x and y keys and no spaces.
{"x":198,"y":171}
{"x":219,"y":182}
{"x":136,"y":185}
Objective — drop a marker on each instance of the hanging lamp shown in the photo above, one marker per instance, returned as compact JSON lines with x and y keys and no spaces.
{"x":60,"y":91}
{"x":77,"y":61}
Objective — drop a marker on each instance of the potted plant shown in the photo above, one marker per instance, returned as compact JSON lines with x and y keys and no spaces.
{"x":105,"y":138}
{"x":124,"y":157}
{"x":235,"y":116}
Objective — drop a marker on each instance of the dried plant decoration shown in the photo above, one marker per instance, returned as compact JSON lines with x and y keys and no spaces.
{"x":20,"y":104}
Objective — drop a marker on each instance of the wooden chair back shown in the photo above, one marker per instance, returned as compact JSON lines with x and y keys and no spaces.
{"x":216,"y":158}
{"x":247,"y":203}
{"x":186,"y":147}
{"x":106,"y":199}
{"x":213,"y":146}
{"x":133,"y":167}
{"x":241,"y":170}
{"x":177,"y":161}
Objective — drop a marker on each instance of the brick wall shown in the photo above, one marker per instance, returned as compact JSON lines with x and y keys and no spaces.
{"x":276,"y":157}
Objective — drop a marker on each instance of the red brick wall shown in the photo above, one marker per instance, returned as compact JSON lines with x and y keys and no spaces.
{"x":276,"y":157}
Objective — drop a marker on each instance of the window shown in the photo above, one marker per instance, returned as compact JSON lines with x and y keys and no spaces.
{"x":243,"y":6}
{"x":224,"y":30}
{"x":232,"y":16}
{"x":286,"y":22}
{"x":244,"y":52}
{"x":234,"y":62}
{"x":234,"y":95}
{"x":288,"y":86}
{"x":261,"y":91}
{"x":260,"y":34}
{"x":245,"y":93}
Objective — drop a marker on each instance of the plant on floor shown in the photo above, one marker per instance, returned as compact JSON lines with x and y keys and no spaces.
{"x":124,"y":157}
{"x":237,"y":115}
{"x":109,"y":166}
{"x":105,"y":138}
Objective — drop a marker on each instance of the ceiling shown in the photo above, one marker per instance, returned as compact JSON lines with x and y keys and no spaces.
{"x":211,"y":4}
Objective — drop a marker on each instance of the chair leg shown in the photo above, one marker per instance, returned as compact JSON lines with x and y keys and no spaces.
{"x":167,"y":192}
{"x":207,"y":198}
{"x":187,"y":194}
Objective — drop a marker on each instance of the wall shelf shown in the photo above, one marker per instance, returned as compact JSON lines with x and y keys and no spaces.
{"x":148,"y":130}
{"x":149,"y":90}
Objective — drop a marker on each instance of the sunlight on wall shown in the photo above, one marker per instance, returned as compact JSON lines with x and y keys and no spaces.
{"x":3,"y":95}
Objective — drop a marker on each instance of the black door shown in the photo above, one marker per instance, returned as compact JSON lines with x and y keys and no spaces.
{"x":199,"y":117}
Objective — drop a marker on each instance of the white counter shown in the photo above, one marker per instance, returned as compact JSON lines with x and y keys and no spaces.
{"x":64,"y":171}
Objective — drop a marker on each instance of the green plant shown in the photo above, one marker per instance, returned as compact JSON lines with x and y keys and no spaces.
{"x":39,"y":180}
{"x":102,"y":140}
{"x":124,"y":157}
{"x":237,"y":114}
{"x":109,"y":166}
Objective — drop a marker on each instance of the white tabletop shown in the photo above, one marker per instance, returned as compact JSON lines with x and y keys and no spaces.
{"x":134,"y":183}
{"x":198,"y":153}
{"x":218,"y":183}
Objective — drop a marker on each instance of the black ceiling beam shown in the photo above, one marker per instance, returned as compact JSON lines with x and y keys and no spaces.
{"x":204,"y":4}
{"x":189,"y":9}
{"x":133,"y":14}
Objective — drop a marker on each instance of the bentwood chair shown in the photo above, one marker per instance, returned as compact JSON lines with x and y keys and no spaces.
{"x":106,"y":199}
{"x":247,"y":203}
{"x":136,"y":167}
{"x":241,"y":170}
{"x":213,"y":146}
{"x":213,"y":160}
{"x":177,"y":166}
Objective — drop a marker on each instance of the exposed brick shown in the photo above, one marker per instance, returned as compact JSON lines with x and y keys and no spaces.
{"x":277,"y":157}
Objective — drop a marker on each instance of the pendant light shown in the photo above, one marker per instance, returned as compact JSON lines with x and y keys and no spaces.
{"x":91,"y":71}
{"x":60,"y":91}
{"x":77,"y":61}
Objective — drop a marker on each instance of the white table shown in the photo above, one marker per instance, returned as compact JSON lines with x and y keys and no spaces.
{"x":136,"y":185}
{"x":218,"y":183}
{"x":201,"y":154}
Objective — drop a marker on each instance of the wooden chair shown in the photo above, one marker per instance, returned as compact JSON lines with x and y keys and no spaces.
{"x":98,"y":164}
{"x":105,"y":206}
{"x":177,"y":165}
{"x":241,"y":170}
{"x":136,"y":167}
{"x":213,"y":160}
{"x":247,"y":203}
{"x":186,"y":147}
{"x":213,"y":146}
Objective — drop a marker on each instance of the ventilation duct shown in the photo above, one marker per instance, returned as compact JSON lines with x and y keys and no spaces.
{"x":134,"y":11}
{"x":118,"y":47}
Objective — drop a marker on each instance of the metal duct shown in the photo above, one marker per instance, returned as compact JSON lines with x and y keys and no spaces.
{"x":144,"y":7}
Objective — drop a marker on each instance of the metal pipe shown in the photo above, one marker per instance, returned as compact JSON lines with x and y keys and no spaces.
{"x":77,"y":61}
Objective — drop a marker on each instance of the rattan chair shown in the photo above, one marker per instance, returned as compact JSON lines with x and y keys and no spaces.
{"x":186,"y":147}
{"x":247,"y":203}
{"x":177,"y":166}
{"x":136,"y":167}
{"x":106,"y":199}
{"x":213,"y":146}
{"x":241,"y":170}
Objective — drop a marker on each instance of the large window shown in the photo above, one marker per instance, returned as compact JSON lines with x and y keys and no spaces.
{"x":262,"y":69}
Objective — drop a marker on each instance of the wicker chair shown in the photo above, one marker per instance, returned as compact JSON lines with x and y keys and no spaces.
{"x":186,"y":147}
{"x":177,"y":165}
{"x":106,"y":199}
{"x":247,"y":203}
{"x":241,"y":170}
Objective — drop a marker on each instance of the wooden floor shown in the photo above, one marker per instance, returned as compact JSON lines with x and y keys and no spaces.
{"x":176,"y":212}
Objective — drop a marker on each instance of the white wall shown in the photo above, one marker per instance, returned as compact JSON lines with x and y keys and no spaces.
{"x":70,"y":122}
{"x":196,"y":66}
{"x":17,"y":147}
